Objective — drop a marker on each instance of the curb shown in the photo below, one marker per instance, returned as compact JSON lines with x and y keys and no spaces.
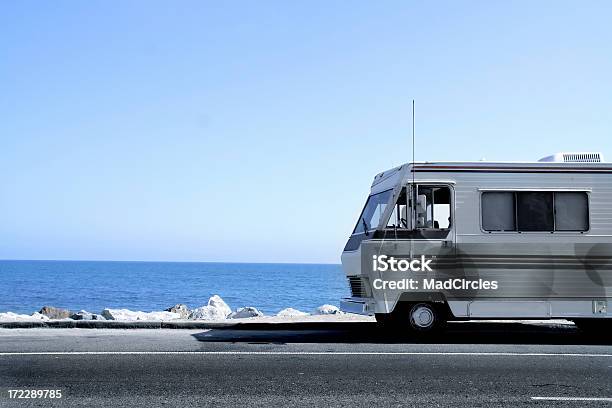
{"x":111,"y":324}
{"x":287,"y":326}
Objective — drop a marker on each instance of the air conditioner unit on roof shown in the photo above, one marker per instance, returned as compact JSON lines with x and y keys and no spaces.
{"x":583,"y":157}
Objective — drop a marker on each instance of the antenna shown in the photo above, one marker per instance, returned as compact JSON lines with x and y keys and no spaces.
{"x":413,"y":143}
{"x":414,"y":190}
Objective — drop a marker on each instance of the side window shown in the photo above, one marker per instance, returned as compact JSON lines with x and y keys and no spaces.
{"x":498,"y":211}
{"x":534,"y":211}
{"x":571,"y":211}
{"x":433,"y":207}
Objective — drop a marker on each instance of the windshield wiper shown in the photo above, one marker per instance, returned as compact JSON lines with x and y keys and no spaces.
{"x":365,"y":226}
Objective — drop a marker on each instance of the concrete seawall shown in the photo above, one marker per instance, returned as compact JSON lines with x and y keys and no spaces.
{"x":311,"y":322}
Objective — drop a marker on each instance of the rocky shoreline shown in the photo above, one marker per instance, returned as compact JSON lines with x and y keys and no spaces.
{"x":215,"y":310}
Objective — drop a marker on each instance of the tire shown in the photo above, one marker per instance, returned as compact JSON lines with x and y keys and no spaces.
{"x":425,"y":318}
{"x":419,"y":318}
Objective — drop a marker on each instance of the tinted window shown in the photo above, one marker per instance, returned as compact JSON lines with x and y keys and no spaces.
{"x":534,"y":211}
{"x":498,"y":212}
{"x":571,"y":211}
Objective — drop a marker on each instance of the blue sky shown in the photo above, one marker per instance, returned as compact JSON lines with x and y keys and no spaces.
{"x":250,"y":131}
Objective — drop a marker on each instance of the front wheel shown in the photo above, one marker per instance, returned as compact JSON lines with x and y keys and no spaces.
{"x":424,"y":317}
{"x":415,"y":317}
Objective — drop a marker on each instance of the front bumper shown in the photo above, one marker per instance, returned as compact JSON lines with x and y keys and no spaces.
{"x":361,"y":306}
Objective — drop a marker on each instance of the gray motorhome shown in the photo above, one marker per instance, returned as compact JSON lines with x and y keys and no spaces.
{"x":505,"y":240}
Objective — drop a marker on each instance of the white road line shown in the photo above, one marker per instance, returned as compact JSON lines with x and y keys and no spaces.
{"x":300,"y":353}
{"x":571,"y":399}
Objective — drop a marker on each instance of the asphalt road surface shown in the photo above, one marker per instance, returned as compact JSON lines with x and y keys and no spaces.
{"x":470,"y":365}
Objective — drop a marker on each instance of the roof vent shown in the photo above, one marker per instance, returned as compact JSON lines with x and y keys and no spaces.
{"x":574,"y":158}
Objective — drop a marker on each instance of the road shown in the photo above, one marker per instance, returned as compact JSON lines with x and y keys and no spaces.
{"x":470,"y":365}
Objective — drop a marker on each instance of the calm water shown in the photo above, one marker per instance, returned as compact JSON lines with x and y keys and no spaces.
{"x":26,"y":286}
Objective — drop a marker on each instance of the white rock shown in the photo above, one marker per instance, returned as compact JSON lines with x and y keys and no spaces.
{"x":289,"y":312}
{"x":126,"y":315}
{"x":55,"y":313}
{"x":14,"y":317}
{"x":216,"y":302}
{"x":327,"y":310}
{"x":245,"y":312}
{"x":207,"y":313}
{"x":39,"y":316}
{"x":85,"y":315}
{"x":181,"y":309}
{"x":216,"y":309}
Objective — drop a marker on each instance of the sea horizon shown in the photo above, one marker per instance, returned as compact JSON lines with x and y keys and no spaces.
{"x":166,"y":261}
{"x":93,"y":285}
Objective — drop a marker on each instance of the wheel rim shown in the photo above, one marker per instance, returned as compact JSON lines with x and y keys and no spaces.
{"x":422,"y":316}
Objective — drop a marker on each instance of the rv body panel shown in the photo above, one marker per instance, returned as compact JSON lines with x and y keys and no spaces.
{"x":543,"y":274}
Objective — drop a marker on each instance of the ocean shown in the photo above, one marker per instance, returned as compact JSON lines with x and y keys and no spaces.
{"x":26,"y":286}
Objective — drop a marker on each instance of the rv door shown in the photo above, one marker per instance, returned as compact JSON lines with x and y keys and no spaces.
{"x":434,"y":226}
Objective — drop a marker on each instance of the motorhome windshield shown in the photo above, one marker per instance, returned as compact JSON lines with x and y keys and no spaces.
{"x":372,"y":212}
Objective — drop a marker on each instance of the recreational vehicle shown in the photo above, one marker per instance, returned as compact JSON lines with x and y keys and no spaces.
{"x":503,"y":240}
